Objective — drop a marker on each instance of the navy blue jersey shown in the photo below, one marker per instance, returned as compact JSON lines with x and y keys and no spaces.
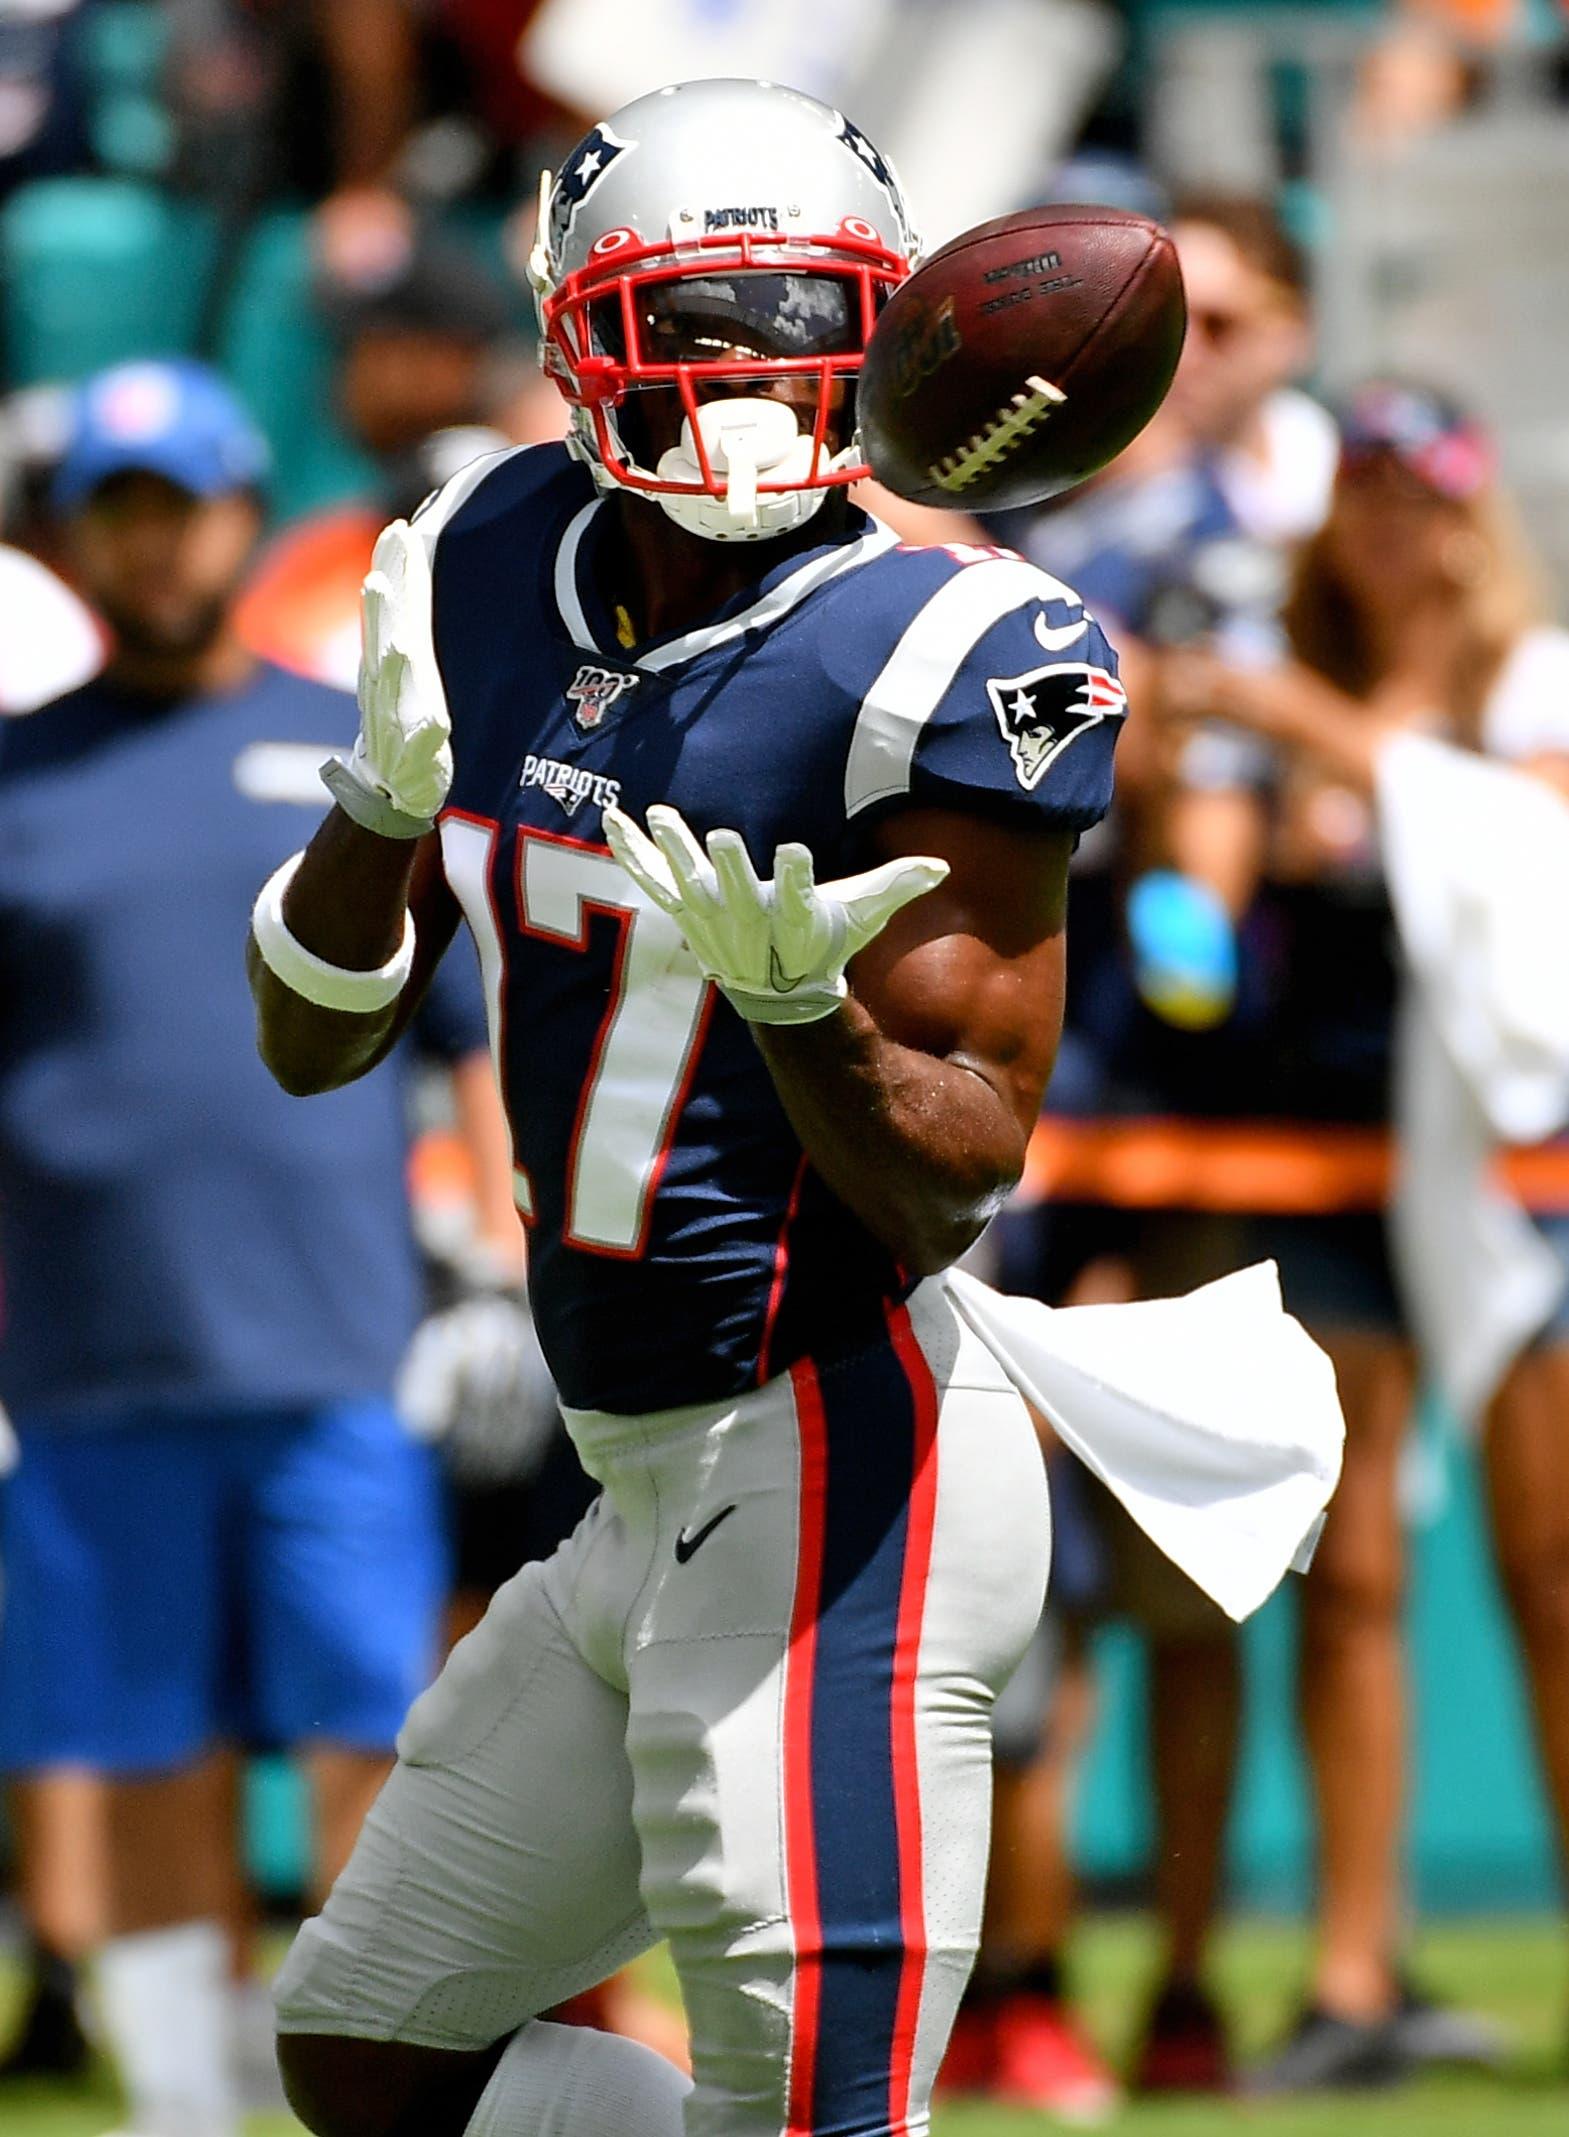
{"x":682,"y":1249}
{"x":175,"y":1229}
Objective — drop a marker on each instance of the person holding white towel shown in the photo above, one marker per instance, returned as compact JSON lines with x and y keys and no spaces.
{"x":1416,"y":608}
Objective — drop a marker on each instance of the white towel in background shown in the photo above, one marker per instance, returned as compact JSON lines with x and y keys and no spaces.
{"x":1477,"y":1277}
{"x":1476,"y":854}
{"x":1213,"y":1418}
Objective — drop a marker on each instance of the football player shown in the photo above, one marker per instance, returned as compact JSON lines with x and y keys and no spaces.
{"x":761,"y":823}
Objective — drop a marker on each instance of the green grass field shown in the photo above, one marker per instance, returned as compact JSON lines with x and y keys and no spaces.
{"x":1517,"y":1971}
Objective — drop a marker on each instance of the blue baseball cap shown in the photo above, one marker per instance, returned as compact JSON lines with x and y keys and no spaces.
{"x":176,"y":419}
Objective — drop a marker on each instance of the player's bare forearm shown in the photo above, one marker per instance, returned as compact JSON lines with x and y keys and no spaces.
{"x":346,"y":905}
{"x":923,"y":1150}
{"x":914,"y":1102}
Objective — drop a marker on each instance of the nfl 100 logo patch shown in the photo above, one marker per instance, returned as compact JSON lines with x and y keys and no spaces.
{"x":592,"y":692}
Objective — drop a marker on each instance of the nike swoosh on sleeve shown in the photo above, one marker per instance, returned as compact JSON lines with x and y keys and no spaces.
{"x":1055,"y":640}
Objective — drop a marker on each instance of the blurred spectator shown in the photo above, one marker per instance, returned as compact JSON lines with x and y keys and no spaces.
{"x":424,"y":335}
{"x":220,"y":1531}
{"x":522,"y":119}
{"x":1419,"y":70}
{"x":1185,"y":535}
{"x":282,"y":100}
{"x":360,"y":104}
{"x":271,"y":99}
{"x":427,"y":361}
{"x":1249,"y":341}
{"x":1416,"y":606}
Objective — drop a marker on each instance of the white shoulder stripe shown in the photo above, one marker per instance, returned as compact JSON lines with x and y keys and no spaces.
{"x":566,"y":578}
{"x":436,"y":511}
{"x":918,"y":672}
{"x":789,"y":593}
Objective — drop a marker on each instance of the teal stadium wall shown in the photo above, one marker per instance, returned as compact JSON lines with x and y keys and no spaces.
{"x":1479,"y":1833}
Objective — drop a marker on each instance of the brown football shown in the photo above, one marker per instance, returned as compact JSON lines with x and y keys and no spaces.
{"x":1022,"y":357}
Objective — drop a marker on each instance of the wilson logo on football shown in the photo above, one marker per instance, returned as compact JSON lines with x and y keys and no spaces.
{"x":1040,"y":713}
{"x":592,"y":692}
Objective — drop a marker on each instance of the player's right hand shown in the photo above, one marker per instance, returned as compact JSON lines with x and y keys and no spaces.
{"x":397,"y":778}
{"x":778,"y":950}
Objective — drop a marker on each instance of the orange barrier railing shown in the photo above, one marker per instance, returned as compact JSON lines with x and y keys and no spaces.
{"x":1261,"y":1167}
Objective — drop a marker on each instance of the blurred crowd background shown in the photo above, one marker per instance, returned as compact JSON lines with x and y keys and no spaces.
{"x":1363,"y":470}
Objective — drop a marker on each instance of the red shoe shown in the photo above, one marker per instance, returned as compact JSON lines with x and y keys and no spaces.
{"x":1044,"y":2061}
{"x":971,"y":2062}
{"x":1184,"y":2044}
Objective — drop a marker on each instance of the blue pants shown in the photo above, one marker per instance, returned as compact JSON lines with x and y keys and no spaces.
{"x":173,"y":1579}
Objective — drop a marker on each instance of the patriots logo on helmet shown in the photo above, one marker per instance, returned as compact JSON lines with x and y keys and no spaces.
{"x":592,"y":692}
{"x":1039,"y":714}
{"x":577,"y":178}
{"x":881,"y":169}
{"x":868,"y":151}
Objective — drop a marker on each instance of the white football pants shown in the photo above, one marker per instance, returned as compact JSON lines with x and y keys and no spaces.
{"x":744,"y":1708}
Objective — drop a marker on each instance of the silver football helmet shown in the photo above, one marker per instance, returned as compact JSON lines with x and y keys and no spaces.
{"x":707,"y":235}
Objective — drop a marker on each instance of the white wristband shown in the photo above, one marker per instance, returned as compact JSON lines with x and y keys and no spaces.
{"x":303,"y":973}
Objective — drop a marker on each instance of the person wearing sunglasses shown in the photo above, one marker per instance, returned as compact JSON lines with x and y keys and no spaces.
{"x":1416,"y":607}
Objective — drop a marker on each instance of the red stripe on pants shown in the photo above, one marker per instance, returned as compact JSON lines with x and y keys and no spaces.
{"x":800,"y":1840}
{"x":906,"y":1767}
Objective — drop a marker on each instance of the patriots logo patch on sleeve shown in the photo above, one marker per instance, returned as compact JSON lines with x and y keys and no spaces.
{"x":1040,"y":713}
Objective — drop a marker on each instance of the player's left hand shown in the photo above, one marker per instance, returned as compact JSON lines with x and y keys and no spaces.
{"x":778,"y":950}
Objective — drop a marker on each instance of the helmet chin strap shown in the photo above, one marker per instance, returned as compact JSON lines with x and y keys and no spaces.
{"x":744,"y":439}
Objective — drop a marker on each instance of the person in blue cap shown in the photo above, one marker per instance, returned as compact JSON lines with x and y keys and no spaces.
{"x":219,"y":1531}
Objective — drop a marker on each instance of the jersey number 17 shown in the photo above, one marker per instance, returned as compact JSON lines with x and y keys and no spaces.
{"x":646,"y":1046}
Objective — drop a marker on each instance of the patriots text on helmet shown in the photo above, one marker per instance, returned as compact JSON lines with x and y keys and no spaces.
{"x":740,"y":219}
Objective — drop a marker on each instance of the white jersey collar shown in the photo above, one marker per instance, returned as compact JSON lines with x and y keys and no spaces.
{"x":772,"y":601}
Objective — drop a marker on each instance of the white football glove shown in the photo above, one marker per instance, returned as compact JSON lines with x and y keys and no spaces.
{"x":474,"y":1381}
{"x":777,"y":950}
{"x":401,"y":767}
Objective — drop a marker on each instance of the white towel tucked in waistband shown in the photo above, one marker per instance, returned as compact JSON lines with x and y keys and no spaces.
{"x":1213,"y":1418}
